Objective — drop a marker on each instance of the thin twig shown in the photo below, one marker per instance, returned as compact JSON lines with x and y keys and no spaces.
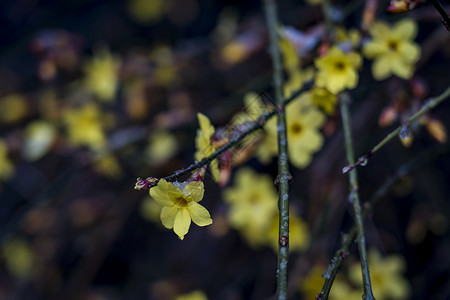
{"x":145,"y":184}
{"x":283,"y":163}
{"x":348,"y":238}
{"x":354,"y":198}
{"x":445,"y":17}
{"x":426,"y":107}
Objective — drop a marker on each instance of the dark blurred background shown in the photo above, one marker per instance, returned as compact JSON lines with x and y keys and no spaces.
{"x":73,"y":227}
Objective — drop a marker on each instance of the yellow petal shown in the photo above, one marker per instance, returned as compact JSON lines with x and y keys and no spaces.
{"x":194,"y":191}
{"x":401,"y":69}
{"x":381,"y":68}
{"x":355,"y":59}
{"x":410,"y":52}
{"x":205,"y":125}
{"x":374,"y":48}
{"x":405,"y":29}
{"x":380,"y":30}
{"x":182,"y":223}
{"x":199,"y":214}
{"x":167,"y":216}
{"x":160,"y":195}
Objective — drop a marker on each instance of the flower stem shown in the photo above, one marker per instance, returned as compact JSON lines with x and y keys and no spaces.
{"x":348,"y":238}
{"x":440,"y":9}
{"x":354,"y":198}
{"x":426,"y":107}
{"x":283,"y":165}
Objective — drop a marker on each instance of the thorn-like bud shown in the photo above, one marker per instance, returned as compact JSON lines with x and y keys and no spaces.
{"x":145,"y":184}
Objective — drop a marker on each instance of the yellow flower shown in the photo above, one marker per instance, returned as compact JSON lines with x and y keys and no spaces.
{"x":6,"y":167}
{"x":337,"y":70}
{"x":195,"y":295}
{"x":303,"y":122}
{"x":385,"y":274}
{"x":252,"y":205}
{"x":392,"y":49}
{"x":180,"y":205}
{"x":204,"y":146}
{"x":323,"y":98}
{"x":84,"y":127}
{"x":101,"y":75}
{"x":298,"y":233}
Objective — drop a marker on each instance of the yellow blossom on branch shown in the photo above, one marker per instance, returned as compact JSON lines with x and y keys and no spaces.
{"x":393,"y":49}
{"x":385,"y":274}
{"x":204,"y":146}
{"x":337,"y":70}
{"x":180,"y":205}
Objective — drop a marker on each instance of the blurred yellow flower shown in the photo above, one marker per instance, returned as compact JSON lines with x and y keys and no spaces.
{"x":350,"y":37}
{"x":107,"y":164}
{"x":337,"y":70}
{"x":298,"y":233}
{"x":180,"y":205}
{"x":204,"y":146}
{"x":6,"y":167}
{"x":102,"y":75}
{"x":146,"y":12}
{"x":311,"y":285}
{"x":303,"y":122}
{"x":150,"y":210}
{"x":194,"y":295}
{"x":39,"y":137}
{"x":18,"y":258}
{"x":341,"y":290}
{"x":13,"y":108}
{"x":385,"y":274}
{"x":252,"y":205}
{"x":393,"y":49}
{"x":162,"y":146}
{"x":84,"y":127}
{"x":323,"y":99}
